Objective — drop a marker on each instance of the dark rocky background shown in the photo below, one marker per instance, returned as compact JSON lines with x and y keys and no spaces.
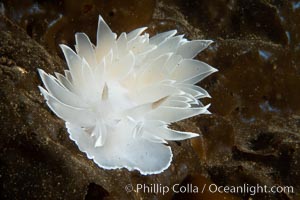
{"x":252,"y":137}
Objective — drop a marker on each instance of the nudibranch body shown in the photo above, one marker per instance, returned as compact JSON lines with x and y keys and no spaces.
{"x":118,"y":97}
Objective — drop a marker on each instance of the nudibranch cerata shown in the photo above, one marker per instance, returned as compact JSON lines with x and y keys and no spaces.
{"x":118,"y":97}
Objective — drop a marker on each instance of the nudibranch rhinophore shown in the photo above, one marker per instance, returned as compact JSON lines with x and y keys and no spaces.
{"x":117,"y":98}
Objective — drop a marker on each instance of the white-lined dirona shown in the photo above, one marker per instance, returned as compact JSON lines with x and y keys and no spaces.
{"x":119,"y":96}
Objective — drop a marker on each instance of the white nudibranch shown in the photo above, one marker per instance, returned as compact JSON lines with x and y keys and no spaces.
{"x":118,"y":97}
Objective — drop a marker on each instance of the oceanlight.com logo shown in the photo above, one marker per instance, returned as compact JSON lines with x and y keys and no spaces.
{"x":211,"y":188}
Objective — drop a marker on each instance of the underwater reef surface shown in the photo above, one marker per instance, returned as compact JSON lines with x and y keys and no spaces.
{"x":252,"y":137}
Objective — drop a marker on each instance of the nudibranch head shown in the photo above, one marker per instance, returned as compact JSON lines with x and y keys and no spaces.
{"x":118,"y":97}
